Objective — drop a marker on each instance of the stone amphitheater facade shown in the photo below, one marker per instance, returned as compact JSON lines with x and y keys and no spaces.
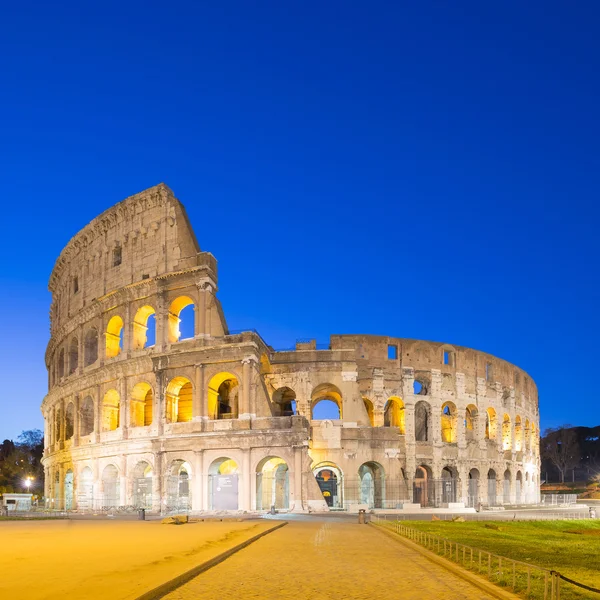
{"x":137,"y":416}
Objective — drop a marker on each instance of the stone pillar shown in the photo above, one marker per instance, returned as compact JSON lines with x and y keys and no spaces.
{"x":158,"y":408}
{"x":123,"y":496}
{"x":161,"y":317}
{"x":157,"y":478}
{"x":62,"y":424}
{"x":98,"y":415}
{"x":123,"y":407}
{"x":197,"y":492}
{"x":128,"y":332}
{"x":297,"y":505}
{"x":244,"y":502}
{"x":461,"y":433}
{"x":76,"y":404}
{"x":80,"y":350}
{"x":200,"y":404}
{"x":200,"y":311}
{"x":244,"y":408}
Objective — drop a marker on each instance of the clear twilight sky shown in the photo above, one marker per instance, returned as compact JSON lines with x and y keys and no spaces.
{"x":426,"y":170}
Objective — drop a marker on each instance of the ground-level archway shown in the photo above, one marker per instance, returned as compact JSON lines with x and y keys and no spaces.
{"x":142,"y":485}
{"x":329,"y":479}
{"x":372,"y":484}
{"x":272,"y":484}
{"x":179,"y":490}
{"x":223,"y":483}
{"x":473,"y":490}
{"x":110,"y":486}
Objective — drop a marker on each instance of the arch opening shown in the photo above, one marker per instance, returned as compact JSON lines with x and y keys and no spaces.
{"x":111,"y":405}
{"x":86,"y":417}
{"x":326,"y":403}
{"x":370,"y":411}
{"x":284,"y":402}
{"x":73,"y":355}
{"x":372,"y":484}
{"x":506,"y":433}
{"x":141,"y":405}
{"x":69,"y":484}
{"x":69,"y":420}
{"x":223,"y":396}
{"x":180,"y":324}
{"x":144,"y":327}
{"x":91,"y":347}
{"x":422,"y":413}
{"x":272,"y":484}
{"x":179,"y":400}
{"x":448,"y":422}
{"x":179,"y":491}
{"x":114,"y":336}
{"x":491,"y":422}
{"x":110,"y":486}
{"x":394,"y":414}
{"x":142,"y":485}
{"x":329,"y":480}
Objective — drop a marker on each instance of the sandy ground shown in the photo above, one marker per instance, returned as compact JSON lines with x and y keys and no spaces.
{"x":111,"y":560}
{"x":327,"y":560}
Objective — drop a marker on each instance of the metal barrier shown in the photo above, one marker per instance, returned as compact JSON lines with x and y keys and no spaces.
{"x":558,"y":499}
{"x":520,"y":577}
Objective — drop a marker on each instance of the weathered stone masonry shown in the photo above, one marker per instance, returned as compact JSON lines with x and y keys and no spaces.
{"x":137,"y":415}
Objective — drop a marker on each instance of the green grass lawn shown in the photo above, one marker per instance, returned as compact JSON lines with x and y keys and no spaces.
{"x":569,"y":547}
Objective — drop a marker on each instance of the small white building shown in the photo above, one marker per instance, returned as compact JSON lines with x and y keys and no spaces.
{"x":17,"y":502}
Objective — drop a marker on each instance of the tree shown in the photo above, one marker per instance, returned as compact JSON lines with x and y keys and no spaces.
{"x":560,"y":446}
{"x":22,"y":460}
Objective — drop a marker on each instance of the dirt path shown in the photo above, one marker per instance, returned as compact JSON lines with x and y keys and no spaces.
{"x":314,"y":560}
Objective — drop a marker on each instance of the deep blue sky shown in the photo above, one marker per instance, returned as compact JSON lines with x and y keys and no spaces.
{"x":423,"y":170}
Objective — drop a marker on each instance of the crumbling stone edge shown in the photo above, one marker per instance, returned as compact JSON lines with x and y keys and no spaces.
{"x":476,"y":580}
{"x":166,"y":588}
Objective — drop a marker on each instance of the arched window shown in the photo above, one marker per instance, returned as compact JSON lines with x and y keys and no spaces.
{"x":393,"y":414}
{"x":326,"y":402}
{"x":73,"y":355}
{"x":449,"y":423}
{"x":506,"y":433}
{"x":110,"y":410}
{"x":490,"y":424}
{"x":422,"y":411}
{"x":179,"y":400}
{"x":114,"y":337}
{"x":284,"y":402}
{"x":141,"y":405}
{"x":470,"y":421}
{"x":86,"y":420}
{"x":144,"y":328}
{"x":518,"y":434}
{"x":181,"y":324}
{"x":61,"y":363}
{"x":91,"y":347}
{"x":69,"y":413}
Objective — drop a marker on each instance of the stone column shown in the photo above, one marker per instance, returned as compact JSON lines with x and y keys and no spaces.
{"x":161,"y":317}
{"x":157,"y":478}
{"x":197,"y":497}
{"x":297,"y":505}
{"x":200,"y":311}
{"x":244,"y":502}
{"x":200,"y":404}
{"x":158,"y":408}
{"x":80,"y":349}
{"x":62,"y":424}
{"x":244,"y":408}
{"x":98,"y":417}
{"x":128,"y":332}
{"x":76,"y":403}
{"x":123,"y":407}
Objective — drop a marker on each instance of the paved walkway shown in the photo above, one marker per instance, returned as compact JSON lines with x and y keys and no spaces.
{"x":327,"y":560}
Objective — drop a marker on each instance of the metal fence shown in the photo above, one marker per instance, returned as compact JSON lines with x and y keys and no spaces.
{"x":522,"y":578}
{"x":558,"y":499}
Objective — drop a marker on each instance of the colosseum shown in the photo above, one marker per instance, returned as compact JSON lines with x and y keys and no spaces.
{"x":153,"y":402}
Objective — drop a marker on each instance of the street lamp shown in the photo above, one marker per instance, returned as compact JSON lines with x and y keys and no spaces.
{"x":28,"y":482}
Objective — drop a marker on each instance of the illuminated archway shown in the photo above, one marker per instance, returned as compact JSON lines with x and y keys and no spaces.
{"x":518,"y":434}
{"x":394,"y":414}
{"x":141,"y":327}
{"x":179,"y":400}
{"x":223,"y":396}
{"x":141,"y":405}
{"x":110,"y":410}
{"x":174,"y":318}
{"x":473,"y":488}
{"x":330,"y":480}
{"x":491,"y":424}
{"x":448,"y":422}
{"x":114,"y":336}
{"x":471,"y":414}
{"x":179,"y":490}
{"x":272,"y":484}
